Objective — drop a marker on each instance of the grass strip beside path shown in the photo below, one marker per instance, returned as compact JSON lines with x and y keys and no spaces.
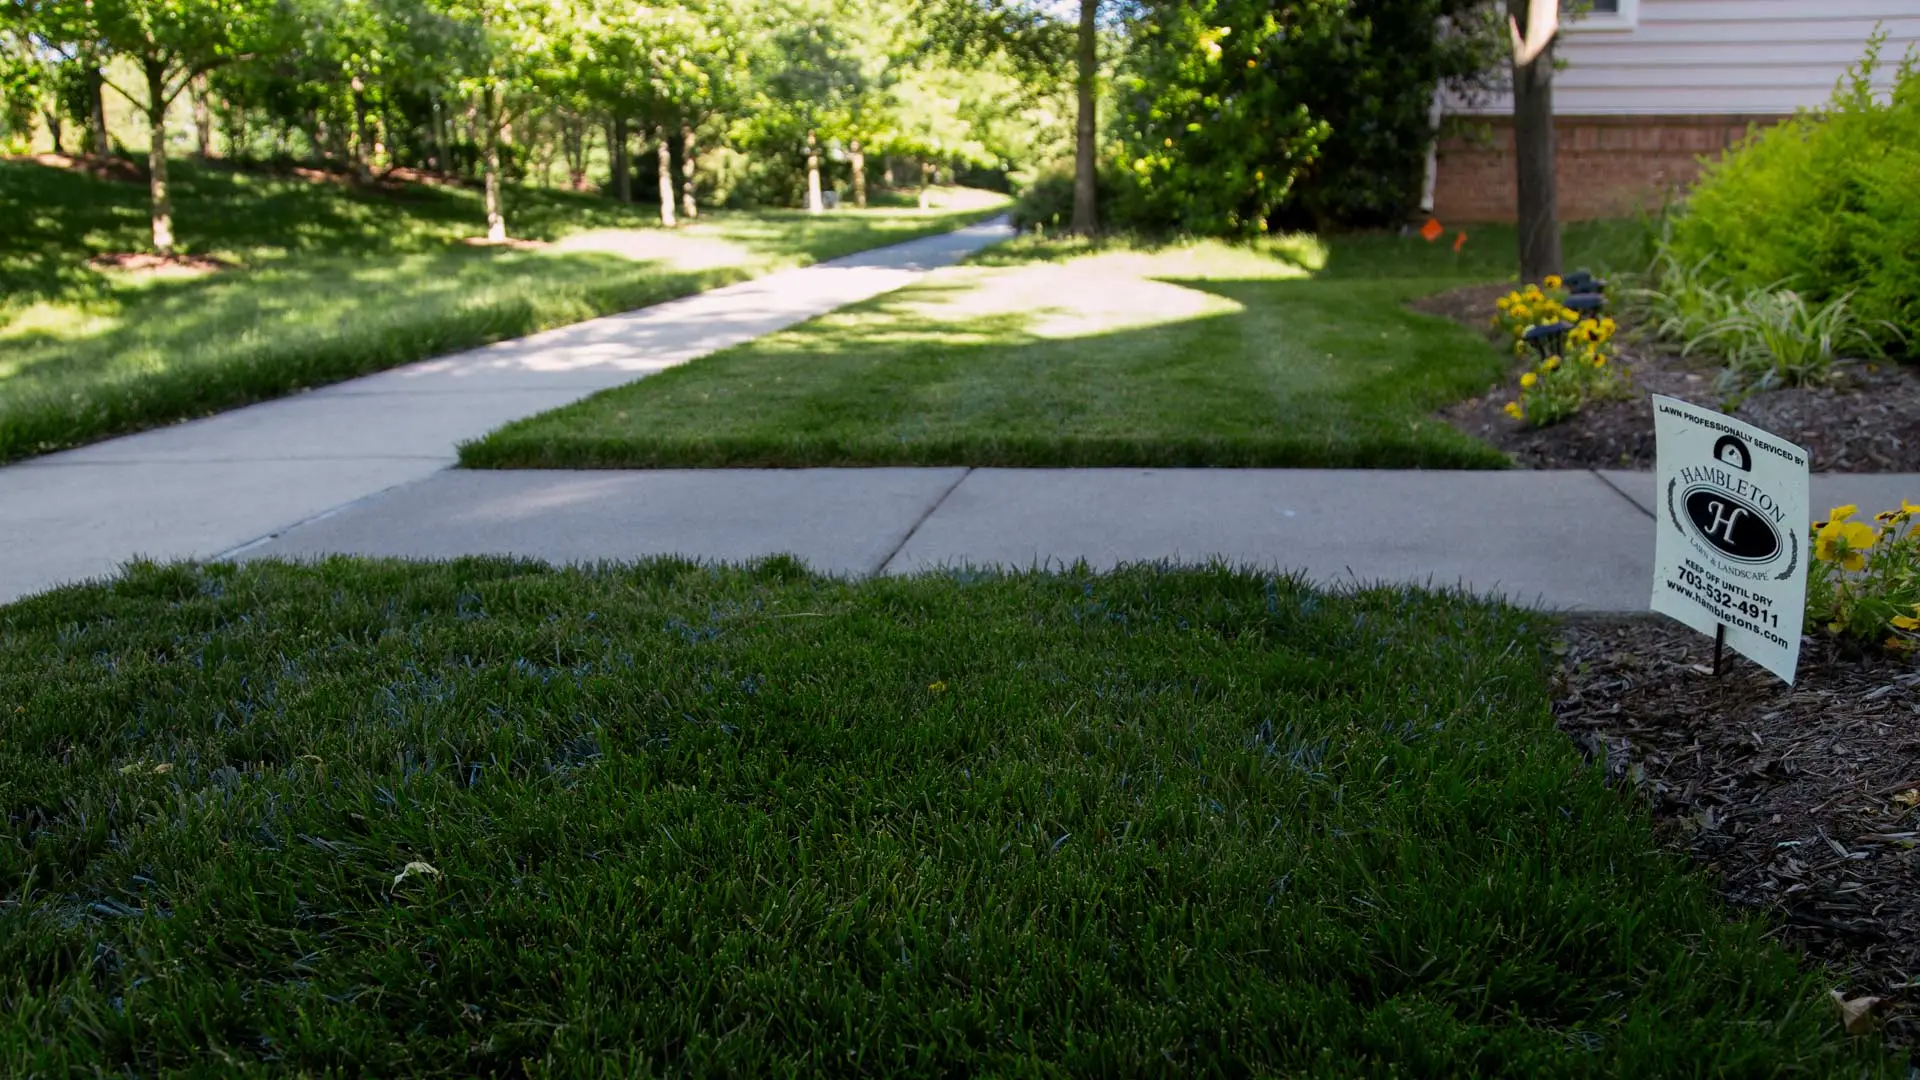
{"x":487,"y":817}
{"x":1048,"y":354}
{"x":333,"y":281}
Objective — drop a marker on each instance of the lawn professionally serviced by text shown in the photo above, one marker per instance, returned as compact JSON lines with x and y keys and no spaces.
{"x":1730,"y":545}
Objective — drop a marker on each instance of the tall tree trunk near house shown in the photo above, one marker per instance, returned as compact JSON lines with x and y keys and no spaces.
{"x":496,"y":220}
{"x":1533,"y":151}
{"x":202,"y":116}
{"x":815,"y":204}
{"x":689,"y":205}
{"x":859,"y":161}
{"x":1086,"y":214}
{"x":663,"y":154}
{"x":162,"y":201}
{"x":617,"y":156}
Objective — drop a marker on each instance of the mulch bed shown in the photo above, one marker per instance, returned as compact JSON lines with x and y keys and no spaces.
{"x":100,"y":168}
{"x":1802,"y":799}
{"x":1869,"y":422}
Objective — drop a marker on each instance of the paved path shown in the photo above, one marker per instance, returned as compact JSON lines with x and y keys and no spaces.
{"x":206,"y":487}
{"x":1563,"y":540}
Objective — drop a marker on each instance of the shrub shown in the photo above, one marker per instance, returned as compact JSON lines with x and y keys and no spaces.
{"x":1822,"y":203}
{"x":1863,"y":584}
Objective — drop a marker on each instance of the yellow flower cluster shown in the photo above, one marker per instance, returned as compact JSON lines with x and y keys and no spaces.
{"x":1864,"y":582}
{"x":1559,"y":386}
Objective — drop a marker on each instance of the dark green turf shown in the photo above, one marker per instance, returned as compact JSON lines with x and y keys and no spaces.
{"x":690,"y":821}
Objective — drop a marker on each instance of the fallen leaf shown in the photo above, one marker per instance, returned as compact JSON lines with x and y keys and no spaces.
{"x":1856,"y":1014}
{"x":413,"y":868}
{"x":1909,"y":797}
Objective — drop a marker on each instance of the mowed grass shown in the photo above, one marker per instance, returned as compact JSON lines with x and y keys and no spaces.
{"x":491,"y":818}
{"x":331,"y":281}
{"x":1051,"y":353}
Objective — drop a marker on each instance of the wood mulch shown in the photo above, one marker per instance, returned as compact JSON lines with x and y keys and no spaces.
{"x":100,"y":168}
{"x":1805,"y":800}
{"x":1868,"y":422}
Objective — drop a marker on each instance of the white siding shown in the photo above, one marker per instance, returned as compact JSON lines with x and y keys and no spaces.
{"x":1718,"y":57}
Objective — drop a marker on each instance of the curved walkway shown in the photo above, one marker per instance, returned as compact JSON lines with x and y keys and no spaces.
{"x":203,"y":488}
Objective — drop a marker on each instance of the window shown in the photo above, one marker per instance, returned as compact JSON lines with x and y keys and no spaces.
{"x":1600,"y":14}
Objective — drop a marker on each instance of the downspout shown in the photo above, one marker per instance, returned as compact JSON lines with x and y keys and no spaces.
{"x":1435,"y":112}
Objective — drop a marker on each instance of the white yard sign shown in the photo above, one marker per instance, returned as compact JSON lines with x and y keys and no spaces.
{"x":1731,"y":541}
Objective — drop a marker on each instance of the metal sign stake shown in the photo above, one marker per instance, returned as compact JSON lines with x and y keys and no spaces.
{"x":1719,"y":646}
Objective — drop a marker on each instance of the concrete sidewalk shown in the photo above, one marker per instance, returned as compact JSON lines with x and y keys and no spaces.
{"x":1560,"y":540}
{"x":201,"y":488}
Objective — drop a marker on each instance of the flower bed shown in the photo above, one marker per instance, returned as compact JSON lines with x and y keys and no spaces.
{"x":1868,"y":422}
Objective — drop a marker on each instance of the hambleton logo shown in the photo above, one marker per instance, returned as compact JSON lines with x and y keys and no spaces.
{"x":1727,"y":510}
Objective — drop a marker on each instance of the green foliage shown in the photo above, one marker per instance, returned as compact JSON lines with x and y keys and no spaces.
{"x":1236,"y":115}
{"x":1824,"y":204}
{"x":1372,"y":81}
{"x":490,"y":818}
{"x":1211,"y":140}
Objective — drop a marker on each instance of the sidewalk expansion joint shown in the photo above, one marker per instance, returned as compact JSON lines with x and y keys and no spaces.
{"x":887,"y":559}
{"x":1631,"y":501}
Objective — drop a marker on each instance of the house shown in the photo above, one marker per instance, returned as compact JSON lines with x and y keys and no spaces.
{"x":1648,"y":86}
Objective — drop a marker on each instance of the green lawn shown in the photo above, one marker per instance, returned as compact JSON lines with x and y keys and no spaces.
{"x":334,"y":282}
{"x":1291,"y":353}
{"x":489,"y":818}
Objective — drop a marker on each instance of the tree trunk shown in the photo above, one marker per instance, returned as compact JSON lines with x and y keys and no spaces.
{"x":886,"y":171}
{"x":926,"y":178}
{"x":496,"y":221}
{"x":1533,"y":159}
{"x":859,"y":160}
{"x":202,"y":116}
{"x":617,"y":155}
{"x":361,"y":150}
{"x":53,"y":128}
{"x":689,"y":205}
{"x":99,"y":143}
{"x":815,"y":204}
{"x":663,"y":152}
{"x":157,"y":159}
{"x":1086,"y":215}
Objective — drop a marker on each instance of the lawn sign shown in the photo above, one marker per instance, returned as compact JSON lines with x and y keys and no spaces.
{"x":1730,"y":550}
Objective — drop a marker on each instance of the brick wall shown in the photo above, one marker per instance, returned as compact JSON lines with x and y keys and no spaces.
{"x":1605,"y":166}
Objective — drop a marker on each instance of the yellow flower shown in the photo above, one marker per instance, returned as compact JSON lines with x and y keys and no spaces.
{"x":1514,"y":410}
{"x":1906,"y":622}
{"x":1844,"y":543}
{"x":1503,"y":303}
{"x":1842,"y":513}
{"x":938,"y":687}
{"x":1599,"y":360}
{"x":1551,"y":363}
{"x":1552,"y":281}
{"x":1527,"y":380}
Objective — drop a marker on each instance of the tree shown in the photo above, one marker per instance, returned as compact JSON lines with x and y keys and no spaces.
{"x":172,"y":42}
{"x":1086,"y":191}
{"x":1538,"y":216}
{"x":504,"y":48}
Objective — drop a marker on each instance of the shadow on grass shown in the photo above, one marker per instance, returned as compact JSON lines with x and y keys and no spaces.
{"x":190,"y":348}
{"x":1304,"y":374}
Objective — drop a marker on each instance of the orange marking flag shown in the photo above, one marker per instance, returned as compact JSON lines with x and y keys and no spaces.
{"x":1459,"y":241}
{"x":1431,"y":230}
